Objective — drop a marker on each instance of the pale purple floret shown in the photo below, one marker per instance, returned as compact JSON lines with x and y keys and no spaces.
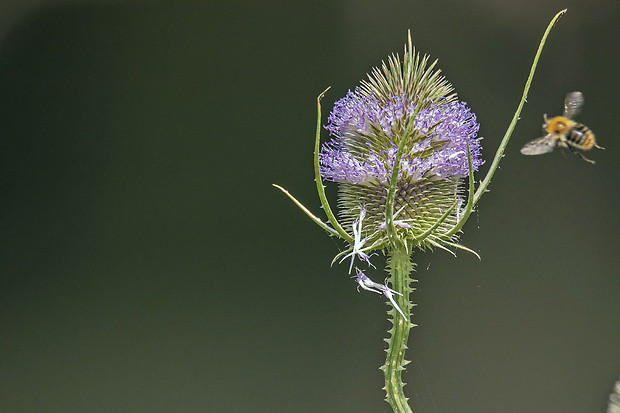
{"x":354,"y":114}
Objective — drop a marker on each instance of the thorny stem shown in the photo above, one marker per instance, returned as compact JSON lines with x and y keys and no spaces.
{"x":400,"y":267}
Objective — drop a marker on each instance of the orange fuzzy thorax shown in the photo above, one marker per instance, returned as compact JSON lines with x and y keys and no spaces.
{"x":559,"y":125}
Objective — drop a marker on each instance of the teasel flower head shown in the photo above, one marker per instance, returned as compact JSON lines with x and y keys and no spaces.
{"x":409,"y":106}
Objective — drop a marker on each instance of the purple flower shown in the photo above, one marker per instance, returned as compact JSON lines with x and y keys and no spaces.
{"x":354,"y":117}
{"x":368,"y":125}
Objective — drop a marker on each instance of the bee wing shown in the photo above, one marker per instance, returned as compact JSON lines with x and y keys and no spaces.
{"x":573,"y":104}
{"x":539,"y":146}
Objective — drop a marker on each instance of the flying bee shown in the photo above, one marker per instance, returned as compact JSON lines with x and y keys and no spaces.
{"x":564,"y":132}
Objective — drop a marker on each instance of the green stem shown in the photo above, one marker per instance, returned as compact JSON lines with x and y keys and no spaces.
{"x":400,"y":267}
{"x":500,"y":151}
{"x":319,"y":181}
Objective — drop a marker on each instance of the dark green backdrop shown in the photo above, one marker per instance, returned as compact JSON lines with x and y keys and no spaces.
{"x":147,"y":265}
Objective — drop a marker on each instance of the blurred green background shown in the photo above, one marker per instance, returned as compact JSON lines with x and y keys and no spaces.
{"x":148,"y":265}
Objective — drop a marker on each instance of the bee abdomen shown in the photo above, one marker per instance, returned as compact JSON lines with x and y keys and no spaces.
{"x":581,"y":137}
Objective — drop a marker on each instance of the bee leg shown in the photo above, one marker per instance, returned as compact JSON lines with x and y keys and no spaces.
{"x":579,"y":154}
{"x":585,"y":159}
{"x":598,"y":147}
